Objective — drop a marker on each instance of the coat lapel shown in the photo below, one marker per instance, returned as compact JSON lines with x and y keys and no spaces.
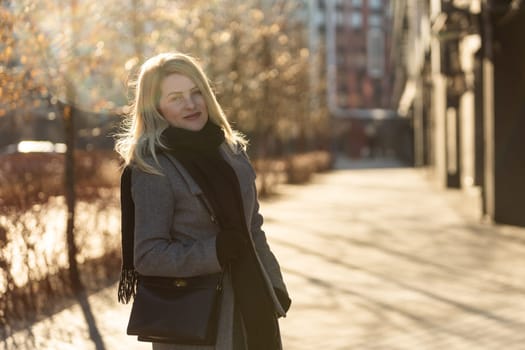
{"x":243,"y":170}
{"x":192,"y":185}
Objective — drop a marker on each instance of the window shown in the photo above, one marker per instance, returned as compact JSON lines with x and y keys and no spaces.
{"x":356,"y":20}
{"x":357,"y":3}
{"x":339,"y":18}
{"x":375,"y":53}
{"x":375,"y":21}
{"x":375,"y":4}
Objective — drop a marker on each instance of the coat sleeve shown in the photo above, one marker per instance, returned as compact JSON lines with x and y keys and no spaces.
{"x":156,"y":253}
{"x":263,"y":249}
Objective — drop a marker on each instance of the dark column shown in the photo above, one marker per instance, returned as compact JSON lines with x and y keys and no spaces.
{"x":478,"y":122}
{"x":509,"y":118}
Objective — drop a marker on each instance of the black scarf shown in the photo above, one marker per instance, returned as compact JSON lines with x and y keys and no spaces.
{"x":198,"y":152}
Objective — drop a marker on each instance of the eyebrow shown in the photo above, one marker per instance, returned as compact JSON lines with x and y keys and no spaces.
{"x":181,"y":92}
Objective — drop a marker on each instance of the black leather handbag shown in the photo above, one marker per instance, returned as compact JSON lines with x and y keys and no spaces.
{"x":176,"y":310}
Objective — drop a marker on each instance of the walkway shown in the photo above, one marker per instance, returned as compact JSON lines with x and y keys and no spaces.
{"x":380,"y":259}
{"x":374,"y":259}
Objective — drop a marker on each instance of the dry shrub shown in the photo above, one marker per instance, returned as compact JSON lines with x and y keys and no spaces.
{"x":27,"y":179}
{"x":301,"y":167}
{"x":270,"y":173}
{"x":97,"y":173}
{"x":294,"y":169}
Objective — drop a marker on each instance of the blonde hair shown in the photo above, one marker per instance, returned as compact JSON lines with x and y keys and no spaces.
{"x":143,"y":126}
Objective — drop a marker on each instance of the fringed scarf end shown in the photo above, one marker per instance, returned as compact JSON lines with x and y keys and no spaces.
{"x":127,"y":286}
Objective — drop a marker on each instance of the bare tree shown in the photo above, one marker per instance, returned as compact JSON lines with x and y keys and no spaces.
{"x":69,"y":171}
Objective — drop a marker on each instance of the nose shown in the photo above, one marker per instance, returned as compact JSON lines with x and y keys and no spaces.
{"x":188,"y":99}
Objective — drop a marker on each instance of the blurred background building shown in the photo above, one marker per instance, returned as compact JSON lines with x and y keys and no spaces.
{"x":351,"y":42}
{"x":460,"y":79}
{"x":354,"y":35}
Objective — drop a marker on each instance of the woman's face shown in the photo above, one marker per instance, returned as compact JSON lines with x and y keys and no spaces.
{"x":181,"y":103}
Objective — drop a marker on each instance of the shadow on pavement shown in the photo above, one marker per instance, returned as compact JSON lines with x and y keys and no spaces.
{"x":94,"y":334}
{"x":411,"y":257}
{"x":406,"y":286}
{"x":26,"y":336}
{"x":377,"y":306}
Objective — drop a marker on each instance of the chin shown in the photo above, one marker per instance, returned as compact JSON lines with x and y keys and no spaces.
{"x":195,"y":126}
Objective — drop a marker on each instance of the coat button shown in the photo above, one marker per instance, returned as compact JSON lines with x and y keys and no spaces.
{"x":180,"y":283}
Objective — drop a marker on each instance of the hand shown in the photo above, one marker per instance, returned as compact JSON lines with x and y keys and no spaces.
{"x":228,"y":245}
{"x":284,"y":299}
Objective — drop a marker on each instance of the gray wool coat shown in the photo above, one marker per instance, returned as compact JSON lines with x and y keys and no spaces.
{"x":175,"y":235}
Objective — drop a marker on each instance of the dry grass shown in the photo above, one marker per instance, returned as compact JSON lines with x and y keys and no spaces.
{"x":33,"y":254}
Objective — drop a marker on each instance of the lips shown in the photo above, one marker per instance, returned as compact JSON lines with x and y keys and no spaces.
{"x":192,"y":116}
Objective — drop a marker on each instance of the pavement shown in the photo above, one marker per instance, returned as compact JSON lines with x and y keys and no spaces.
{"x":375,"y":256}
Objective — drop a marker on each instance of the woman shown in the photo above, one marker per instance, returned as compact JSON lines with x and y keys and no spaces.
{"x":186,"y":162}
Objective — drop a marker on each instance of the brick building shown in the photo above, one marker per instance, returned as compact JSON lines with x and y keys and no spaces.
{"x":357,"y":43}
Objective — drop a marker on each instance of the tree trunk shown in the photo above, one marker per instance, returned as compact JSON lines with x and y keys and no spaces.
{"x":69,"y":177}
{"x":69,"y":163}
